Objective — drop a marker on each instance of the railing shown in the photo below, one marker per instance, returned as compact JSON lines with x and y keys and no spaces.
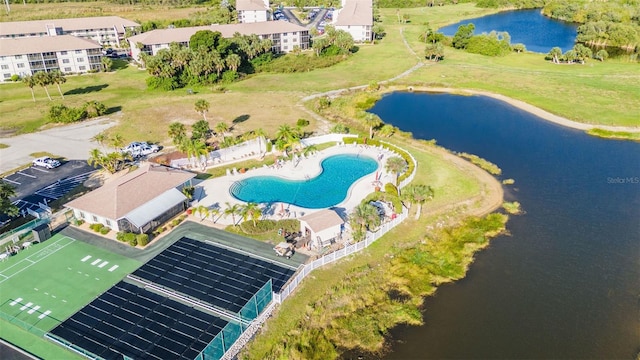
{"x":337,"y":255}
{"x":321,"y":139}
{"x":409,"y":178}
{"x":66,"y":344}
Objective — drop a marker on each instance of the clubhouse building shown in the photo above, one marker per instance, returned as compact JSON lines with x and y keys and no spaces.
{"x":69,"y":54}
{"x":105,"y":30}
{"x":284,"y":35}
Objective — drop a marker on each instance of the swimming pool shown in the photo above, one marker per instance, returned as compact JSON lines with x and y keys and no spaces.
{"x":327,"y":189}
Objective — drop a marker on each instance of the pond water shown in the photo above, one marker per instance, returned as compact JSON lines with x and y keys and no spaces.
{"x":529,"y":27}
{"x":566,"y":282}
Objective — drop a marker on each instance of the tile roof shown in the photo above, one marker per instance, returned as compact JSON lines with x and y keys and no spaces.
{"x":41,"y":44}
{"x":251,"y":5}
{"x":321,"y":220}
{"x":167,"y":36}
{"x":116,"y":199}
{"x":40,"y":26}
{"x":355,"y":12}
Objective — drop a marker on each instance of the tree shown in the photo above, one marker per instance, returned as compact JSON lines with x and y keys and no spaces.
{"x":43,"y":79}
{"x":222,"y":128}
{"x":194,"y":149}
{"x":582,"y":53}
{"x":363,"y":217}
{"x":396,"y":165}
{"x":100,"y":138}
{"x":233,"y":61}
{"x":94,"y":109}
{"x":434,"y":51}
{"x":287,"y":137}
{"x":30,"y":82}
{"x":418,"y":194}
{"x":387,"y":130}
{"x":372,"y":121}
{"x":519,"y":48}
{"x":106,"y":63}
{"x":57,"y":78}
{"x":7,"y":191}
{"x":202,"y":106}
{"x":555,"y":54}
{"x":233,"y":210}
{"x":463,"y":35}
{"x":205,"y":38}
{"x":203,"y":211}
{"x":117,"y":141}
{"x":200,"y":131}
{"x":602,"y":55}
{"x":177,"y":132}
{"x":378,"y":31}
{"x":251,"y":210}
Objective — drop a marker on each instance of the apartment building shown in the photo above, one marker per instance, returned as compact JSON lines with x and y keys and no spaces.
{"x":69,"y":54}
{"x":284,"y":35}
{"x":250,"y":11}
{"x":356,"y":18}
{"x":105,"y":30}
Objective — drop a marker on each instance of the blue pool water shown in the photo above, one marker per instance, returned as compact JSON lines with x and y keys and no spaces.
{"x":327,"y":189}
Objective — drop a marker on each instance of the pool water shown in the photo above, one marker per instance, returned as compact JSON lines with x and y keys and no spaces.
{"x":327,"y":189}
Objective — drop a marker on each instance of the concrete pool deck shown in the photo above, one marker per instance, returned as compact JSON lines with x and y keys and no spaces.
{"x":214,"y":193}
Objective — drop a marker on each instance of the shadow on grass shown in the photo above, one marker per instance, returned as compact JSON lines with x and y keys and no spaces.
{"x":86,"y":90}
{"x":113,"y":109}
{"x":241,"y":119}
{"x":119,"y":64}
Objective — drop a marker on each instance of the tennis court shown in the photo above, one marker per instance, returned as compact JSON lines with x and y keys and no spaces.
{"x":48,"y":282}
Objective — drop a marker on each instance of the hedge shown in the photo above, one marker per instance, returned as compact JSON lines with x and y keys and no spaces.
{"x":142,"y":239}
{"x":402,"y":153}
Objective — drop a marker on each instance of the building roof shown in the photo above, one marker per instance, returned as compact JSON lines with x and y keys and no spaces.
{"x":41,"y":44}
{"x":355,"y":12}
{"x":321,"y":220}
{"x":167,"y":36}
{"x":157,"y":206}
{"x":75,"y":24}
{"x":120,"y":197}
{"x":251,"y":5}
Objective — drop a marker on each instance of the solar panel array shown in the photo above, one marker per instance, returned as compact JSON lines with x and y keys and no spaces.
{"x":137,"y":323}
{"x":218,"y":276}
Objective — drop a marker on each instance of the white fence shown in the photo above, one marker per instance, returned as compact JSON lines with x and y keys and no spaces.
{"x":233,"y":153}
{"x":337,"y":255}
{"x":321,"y":139}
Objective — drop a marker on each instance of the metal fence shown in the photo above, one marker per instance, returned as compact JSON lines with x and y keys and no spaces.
{"x":16,"y":233}
{"x":68,"y":345}
{"x":337,"y":255}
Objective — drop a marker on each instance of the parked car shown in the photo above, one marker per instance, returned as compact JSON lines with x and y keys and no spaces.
{"x":137,"y":149}
{"x":46,"y":162}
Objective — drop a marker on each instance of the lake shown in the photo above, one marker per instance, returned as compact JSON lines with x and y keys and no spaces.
{"x":566,"y":282}
{"x":529,"y":27}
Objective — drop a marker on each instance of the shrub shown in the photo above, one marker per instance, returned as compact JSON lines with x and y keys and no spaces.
{"x":229,"y":76}
{"x":60,"y":113}
{"x":120,"y":236}
{"x":142,"y":239}
{"x":302,"y":122}
{"x":133,"y":241}
{"x":96,"y":227}
{"x":94,"y":108}
{"x":15,"y":77}
{"x":105,"y":230}
{"x":262,"y":226}
{"x":130,"y":237}
{"x":79,"y":222}
{"x":389,"y":188}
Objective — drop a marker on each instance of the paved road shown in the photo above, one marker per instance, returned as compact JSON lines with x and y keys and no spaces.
{"x":71,"y":142}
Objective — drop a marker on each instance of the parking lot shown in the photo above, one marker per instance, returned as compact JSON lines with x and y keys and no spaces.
{"x":36,"y":185}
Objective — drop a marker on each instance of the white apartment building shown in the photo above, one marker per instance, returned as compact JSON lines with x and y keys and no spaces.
{"x":284,"y":35}
{"x":69,"y":54}
{"x":356,"y":18}
{"x":105,"y":30}
{"x":250,"y":11}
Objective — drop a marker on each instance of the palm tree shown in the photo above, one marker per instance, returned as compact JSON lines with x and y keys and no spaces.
{"x":58,"y":78}
{"x":106,"y":63}
{"x":203,"y":211}
{"x":222,"y":128}
{"x":177,"y":132}
{"x":213,"y":212}
{"x":30,"y":82}
{"x":387,"y":130}
{"x":251,"y":210}
{"x":232,"y":210}
{"x":202,"y":106}
{"x":286,"y":137}
{"x":396,"y":165}
{"x":363,"y":217}
{"x":555,"y":54}
{"x":233,"y":61}
{"x":372,"y":121}
{"x":418,"y":194}
{"x":117,"y":141}
{"x":96,"y":158}
{"x":218,"y":62}
{"x":100,"y":138}
{"x":43,"y":79}
{"x":194,"y":148}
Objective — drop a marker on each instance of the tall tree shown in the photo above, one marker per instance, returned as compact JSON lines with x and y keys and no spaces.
{"x":200,"y":131}
{"x":363,"y":217}
{"x":106,"y":63}
{"x":202,"y":106}
{"x":43,"y":79}
{"x":555,"y":54}
{"x":251,"y":211}
{"x":233,"y":210}
{"x":58,"y":78}
{"x":233,"y":61}
{"x":222,"y":128}
{"x":372,"y":121}
{"x":101,"y":138}
{"x":418,"y":194}
{"x":30,"y":82}
{"x":287,"y":137}
{"x":7,"y":191}
{"x":177,"y":132}
{"x":195,"y":149}
{"x":396,"y":165}
{"x":462,"y":36}
{"x":117,"y":141}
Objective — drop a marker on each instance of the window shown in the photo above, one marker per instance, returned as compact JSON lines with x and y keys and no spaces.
{"x":95,"y":218}
{"x":7,"y":76}
{"x":78,"y":51}
{"x":20,"y":65}
{"x":82,"y":215}
{"x":285,"y":40}
{"x":18,"y":57}
{"x":5,"y":67}
{"x":82,"y":68}
{"x":63,"y":53}
{"x":108,"y":222}
{"x":295,"y":39}
{"x":67,"y":69}
{"x":65,"y":61}
{"x":80,"y":59}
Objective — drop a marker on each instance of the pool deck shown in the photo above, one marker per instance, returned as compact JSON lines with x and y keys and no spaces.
{"x":215,"y":192}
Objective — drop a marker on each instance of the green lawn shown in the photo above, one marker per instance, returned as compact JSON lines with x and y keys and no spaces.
{"x":48,"y":282}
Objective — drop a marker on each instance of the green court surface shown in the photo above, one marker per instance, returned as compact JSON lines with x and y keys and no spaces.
{"x":48,"y":282}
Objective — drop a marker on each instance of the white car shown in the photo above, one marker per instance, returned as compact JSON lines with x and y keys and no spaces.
{"x":140,"y":149}
{"x":46,"y":162}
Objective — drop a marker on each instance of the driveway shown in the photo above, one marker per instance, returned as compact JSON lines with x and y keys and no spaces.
{"x":72,"y":142}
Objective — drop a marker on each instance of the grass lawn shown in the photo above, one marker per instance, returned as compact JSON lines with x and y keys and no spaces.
{"x":48,"y":282}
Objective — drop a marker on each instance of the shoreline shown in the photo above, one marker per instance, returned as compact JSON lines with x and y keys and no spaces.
{"x":543,"y":114}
